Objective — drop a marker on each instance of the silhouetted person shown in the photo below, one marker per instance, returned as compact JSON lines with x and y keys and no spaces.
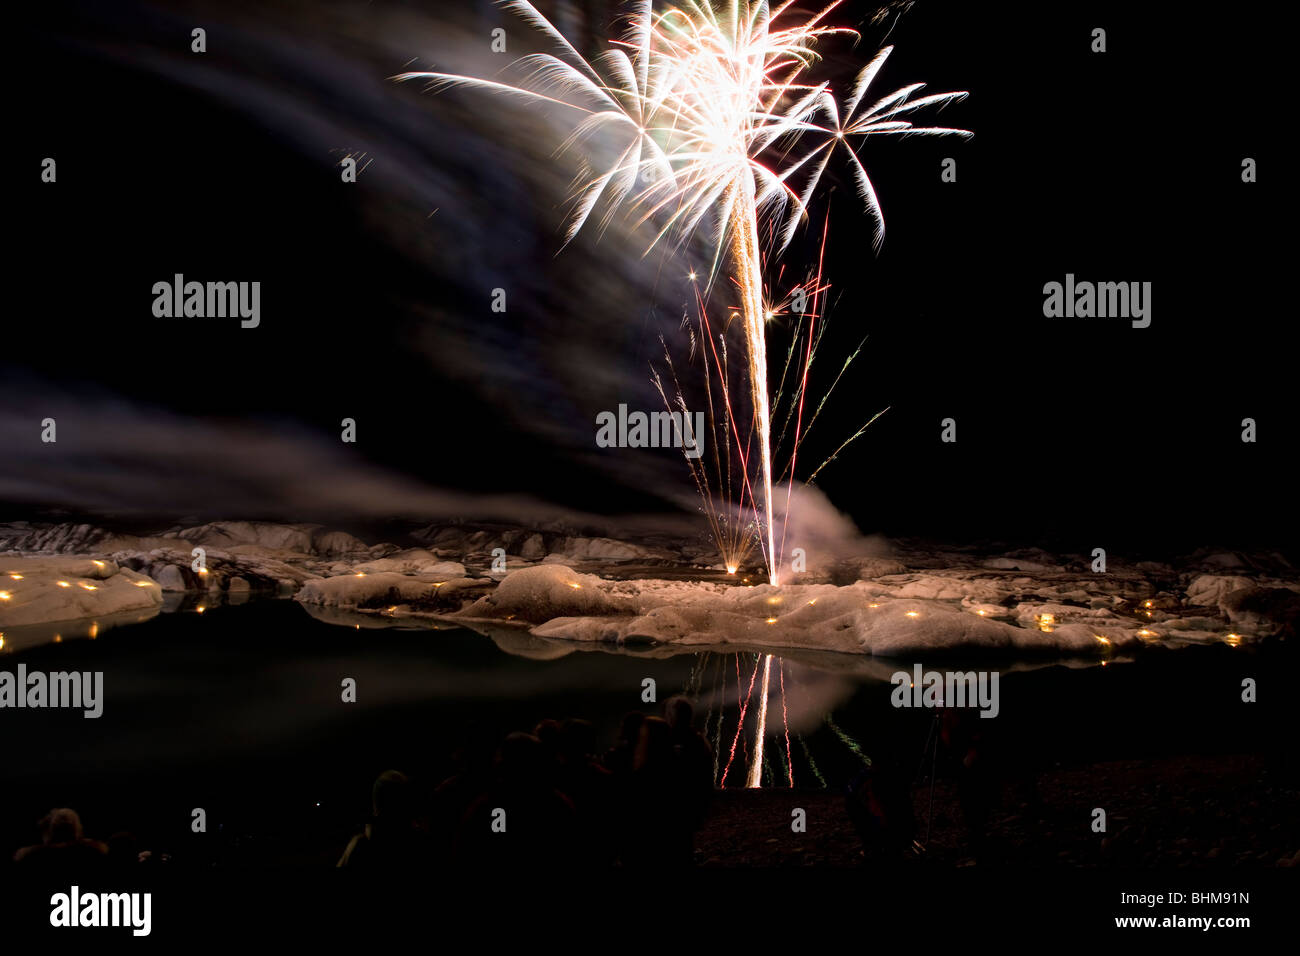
{"x":661,"y":817}
{"x":474,"y":761}
{"x":590,"y":787}
{"x":963,"y":735}
{"x":547,"y":733}
{"x":693,"y":754}
{"x":521,"y":818}
{"x":64,"y":848}
{"x":618,"y":760}
{"x":392,"y":839}
{"x":620,"y":757}
{"x":878,"y":798}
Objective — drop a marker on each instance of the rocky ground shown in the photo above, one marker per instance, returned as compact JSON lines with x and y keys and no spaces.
{"x":1172,"y":811}
{"x":1227,"y":812}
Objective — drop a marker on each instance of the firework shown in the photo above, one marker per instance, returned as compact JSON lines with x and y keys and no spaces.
{"x":717,"y":129}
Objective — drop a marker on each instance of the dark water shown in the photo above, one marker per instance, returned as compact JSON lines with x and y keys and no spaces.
{"x":238,"y":710}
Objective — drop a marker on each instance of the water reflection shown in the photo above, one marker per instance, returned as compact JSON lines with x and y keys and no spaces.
{"x":26,"y":636}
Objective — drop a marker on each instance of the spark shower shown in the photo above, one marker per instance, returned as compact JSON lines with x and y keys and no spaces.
{"x":718,"y":128}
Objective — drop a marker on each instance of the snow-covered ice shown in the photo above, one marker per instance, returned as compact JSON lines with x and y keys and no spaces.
{"x":37,"y":590}
{"x":860,"y":596}
{"x":561,"y":603}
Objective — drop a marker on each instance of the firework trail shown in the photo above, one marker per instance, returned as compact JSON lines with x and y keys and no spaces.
{"x":716,"y":124}
{"x":740,"y":726}
{"x":785,"y":719}
{"x":756,"y":767}
{"x":811,"y":763}
{"x":847,"y":741}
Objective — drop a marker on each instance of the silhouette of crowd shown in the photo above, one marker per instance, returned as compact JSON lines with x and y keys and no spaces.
{"x":547,"y":797}
{"x":66,"y":850}
{"x":552,"y":797}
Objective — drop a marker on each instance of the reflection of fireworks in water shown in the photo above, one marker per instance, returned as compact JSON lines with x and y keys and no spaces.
{"x":708,"y":103}
{"x":717,"y":694}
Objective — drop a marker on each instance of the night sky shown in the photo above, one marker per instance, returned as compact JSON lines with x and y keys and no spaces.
{"x":1120,"y":166}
